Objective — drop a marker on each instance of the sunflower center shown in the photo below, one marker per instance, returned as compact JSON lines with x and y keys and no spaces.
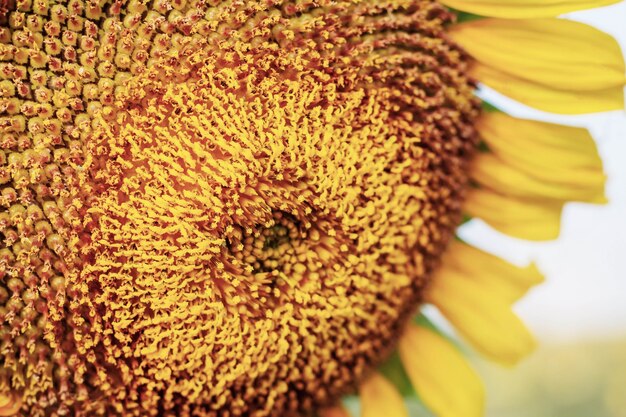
{"x":255,"y":197}
{"x":281,"y":254}
{"x":274,"y":248}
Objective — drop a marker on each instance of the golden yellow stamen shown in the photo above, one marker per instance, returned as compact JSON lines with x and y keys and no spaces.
{"x":224,"y":210}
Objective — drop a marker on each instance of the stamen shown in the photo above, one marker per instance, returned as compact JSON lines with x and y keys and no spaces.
{"x":219,"y":208}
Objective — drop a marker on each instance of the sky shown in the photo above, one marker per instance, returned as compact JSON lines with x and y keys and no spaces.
{"x":584,"y":295}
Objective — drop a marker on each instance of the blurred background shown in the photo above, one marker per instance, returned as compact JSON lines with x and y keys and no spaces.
{"x":579,"y":314}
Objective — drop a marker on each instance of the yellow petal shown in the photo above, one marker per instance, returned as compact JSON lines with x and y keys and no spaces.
{"x":531,"y":145}
{"x":532,"y":169}
{"x":336,"y":411}
{"x":524,"y":9}
{"x":10,"y":404}
{"x":549,"y":99}
{"x":556,"y":65}
{"x":483,"y":316}
{"x":440,"y":375}
{"x":559,"y":183}
{"x":488,"y":271}
{"x":556,"y":53}
{"x":517,"y":217}
{"x":380,"y":398}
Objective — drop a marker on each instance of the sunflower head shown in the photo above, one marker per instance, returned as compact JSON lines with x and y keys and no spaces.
{"x":232,"y":208}
{"x":225,"y":208}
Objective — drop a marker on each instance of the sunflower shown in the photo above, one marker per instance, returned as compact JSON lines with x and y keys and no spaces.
{"x":237,"y":208}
